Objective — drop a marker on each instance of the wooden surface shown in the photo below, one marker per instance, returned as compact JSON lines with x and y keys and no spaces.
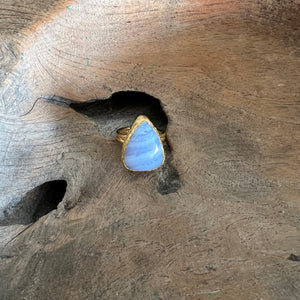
{"x":227,"y":77}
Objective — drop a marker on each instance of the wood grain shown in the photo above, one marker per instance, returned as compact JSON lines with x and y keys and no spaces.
{"x":227,"y":76}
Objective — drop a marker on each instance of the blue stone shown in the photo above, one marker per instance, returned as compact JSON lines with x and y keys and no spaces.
{"x":144,"y":150}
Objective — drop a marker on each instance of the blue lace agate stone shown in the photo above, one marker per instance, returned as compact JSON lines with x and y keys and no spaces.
{"x":144,"y":151}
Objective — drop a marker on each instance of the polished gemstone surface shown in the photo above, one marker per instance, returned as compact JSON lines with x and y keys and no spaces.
{"x":144,"y":151}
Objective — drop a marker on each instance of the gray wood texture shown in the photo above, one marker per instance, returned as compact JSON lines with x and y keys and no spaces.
{"x":227,"y":77}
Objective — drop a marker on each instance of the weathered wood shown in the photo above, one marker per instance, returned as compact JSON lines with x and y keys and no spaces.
{"x":227,"y":76}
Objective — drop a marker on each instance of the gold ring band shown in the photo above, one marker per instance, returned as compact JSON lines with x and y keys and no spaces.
{"x":122,"y":134}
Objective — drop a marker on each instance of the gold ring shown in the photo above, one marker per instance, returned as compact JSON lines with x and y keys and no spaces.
{"x":142,"y":145}
{"x":122,"y":134}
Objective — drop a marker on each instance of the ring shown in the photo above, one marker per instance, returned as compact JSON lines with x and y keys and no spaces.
{"x":142,"y":145}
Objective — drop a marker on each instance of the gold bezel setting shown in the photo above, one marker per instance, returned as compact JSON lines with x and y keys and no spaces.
{"x":139,"y":120}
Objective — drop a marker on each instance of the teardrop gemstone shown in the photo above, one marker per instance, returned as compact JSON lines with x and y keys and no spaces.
{"x":144,"y":151}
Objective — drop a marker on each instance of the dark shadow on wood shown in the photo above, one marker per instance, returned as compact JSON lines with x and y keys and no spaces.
{"x":120,"y":110}
{"x":36,"y":203}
